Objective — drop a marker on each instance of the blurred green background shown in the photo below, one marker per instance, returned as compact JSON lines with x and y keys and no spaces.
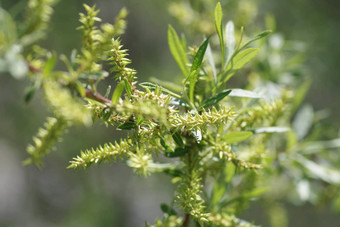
{"x":110,"y":195}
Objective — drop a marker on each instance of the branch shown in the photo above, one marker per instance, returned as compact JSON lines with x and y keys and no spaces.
{"x":96,"y":96}
{"x":187,"y":220}
{"x":88,"y":93}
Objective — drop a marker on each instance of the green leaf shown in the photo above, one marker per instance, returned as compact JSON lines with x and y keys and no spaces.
{"x":173,"y":172}
{"x":229,"y":172}
{"x":217,"y":193}
{"x":257,"y":37}
{"x":196,"y":64}
{"x":105,"y":114}
{"x":80,"y":88}
{"x":177,"y":50}
{"x":179,"y":152}
{"x":215,"y":99}
{"x":164,"y":145}
{"x":243,"y":58}
{"x":167,"y":84}
{"x":30,"y":91}
{"x":237,"y":136}
{"x":167,"y":209}
{"x":238,"y":61}
{"x":255,"y":192}
{"x":8,"y":30}
{"x":300,"y":95}
{"x":195,"y":68}
{"x":118,"y":92}
{"x":192,"y":81}
{"x":178,"y":139}
{"x":127,"y":125}
{"x":153,"y":87}
{"x":219,"y":29}
{"x":49,"y":64}
{"x":128,"y":88}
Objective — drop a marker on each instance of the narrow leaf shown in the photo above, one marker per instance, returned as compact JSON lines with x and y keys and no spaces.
{"x":179,"y":152}
{"x":219,"y":29}
{"x":49,"y":64}
{"x":167,"y":209}
{"x":177,"y":50}
{"x":217,"y":193}
{"x":211,"y":63}
{"x":80,"y":88}
{"x":167,"y":84}
{"x":257,"y":37}
{"x":300,"y":95}
{"x":128,"y":88}
{"x":318,"y":171}
{"x":303,"y":121}
{"x":118,"y":92}
{"x":317,"y":146}
{"x":230,"y":40}
{"x":271,"y":130}
{"x":31,"y":90}
{"x":164,"y":145}
{"x":243,"y":58}
{"x":237,"y":136}
{"x":127,"y":125}
{"x":178,"y":139}
{"x":196,"y":64}
{"x":244,"y":94}
{"x":215,"y":99}
{"x":229,"y":172}
{"x":192,"y":81}
{"x":153,"y":87}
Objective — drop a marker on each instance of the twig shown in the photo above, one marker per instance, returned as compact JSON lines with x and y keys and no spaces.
{"x":88,"y":93}
{"x":186,"y":220}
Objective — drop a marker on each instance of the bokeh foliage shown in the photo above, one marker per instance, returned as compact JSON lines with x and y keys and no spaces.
{"x":266,"y":68}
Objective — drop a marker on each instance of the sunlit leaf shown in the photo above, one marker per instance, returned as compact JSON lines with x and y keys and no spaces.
{"x":237,"y":136}
{"x":230,"y":40}
{"x":239,"y":60}
{"x":192,"y":81}
{"x":177,"y":50}
{"x":244,"y":94}
{"x":243,"y":58}
{"x":128,"y":88}
{"x":257,"y":37}
{"x":215,"y":99}
{"x":229,"y":172}
{"x":196,"y":64}
{"x":219,"y":29}
{"x":118,"y":92}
